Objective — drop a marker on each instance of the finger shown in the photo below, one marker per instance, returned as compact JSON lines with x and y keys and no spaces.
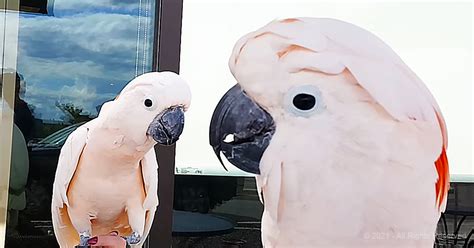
{"x":108,"y":241}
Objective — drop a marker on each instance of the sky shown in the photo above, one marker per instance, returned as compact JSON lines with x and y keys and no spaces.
{"x":433,"y":38}
{"x":83,"y":54}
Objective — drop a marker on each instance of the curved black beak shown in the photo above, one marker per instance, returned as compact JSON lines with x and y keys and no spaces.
{"x":241,"y":130}
{"x":167,"y":126}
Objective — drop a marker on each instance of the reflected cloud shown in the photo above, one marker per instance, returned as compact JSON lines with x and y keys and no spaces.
{"x":85,"y":57}
{"x":94,"y":5}
{"x":82,"y":94}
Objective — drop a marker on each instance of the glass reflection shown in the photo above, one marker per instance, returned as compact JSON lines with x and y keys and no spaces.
{"x":72,"y":57}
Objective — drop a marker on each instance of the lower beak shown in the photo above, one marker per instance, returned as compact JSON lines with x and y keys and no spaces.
{"x":166,"y":127}
{"x":249,"y":126}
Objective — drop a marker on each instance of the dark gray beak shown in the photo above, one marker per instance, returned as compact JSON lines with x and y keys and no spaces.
{"x":167,"y":126}
{"x":249,"y":126}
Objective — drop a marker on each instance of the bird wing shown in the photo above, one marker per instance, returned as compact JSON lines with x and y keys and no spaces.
{"x":69,"y":157}
{"x":150,"y":181}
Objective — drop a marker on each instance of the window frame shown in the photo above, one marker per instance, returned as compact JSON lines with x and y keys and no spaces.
{"x":166,"y":57}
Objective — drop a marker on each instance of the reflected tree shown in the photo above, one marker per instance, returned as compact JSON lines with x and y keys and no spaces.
{"x":73,"y":113}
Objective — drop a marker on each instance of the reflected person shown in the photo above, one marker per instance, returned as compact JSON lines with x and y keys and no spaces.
{"x":18,"y":173}
{"x":23,"y":116}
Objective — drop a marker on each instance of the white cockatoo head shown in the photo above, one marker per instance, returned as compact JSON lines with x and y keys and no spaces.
{"x":151,"y":106}
{"x":315,"y":75}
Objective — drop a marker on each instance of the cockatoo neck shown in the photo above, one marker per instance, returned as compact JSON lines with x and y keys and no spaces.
{"x":133,"y":150}
{"x":118,"y":143}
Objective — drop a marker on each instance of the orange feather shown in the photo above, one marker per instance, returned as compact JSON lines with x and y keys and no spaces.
{"x":442,"y":167}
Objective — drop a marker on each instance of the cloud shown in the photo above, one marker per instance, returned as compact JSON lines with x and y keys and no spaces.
{"x":91,"y":5}
{"x":81,"y":94}
{"x":96,"y":37}
{"x":84,"y":58}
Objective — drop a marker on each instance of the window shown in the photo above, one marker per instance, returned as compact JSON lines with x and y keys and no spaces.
{"x":72,"y":57}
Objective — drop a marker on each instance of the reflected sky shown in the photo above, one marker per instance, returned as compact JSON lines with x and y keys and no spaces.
{"x":84,"y":54}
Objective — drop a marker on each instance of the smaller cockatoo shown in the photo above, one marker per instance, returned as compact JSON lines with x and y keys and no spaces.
{"x":107,"y":174}
{"x":348,"y":144}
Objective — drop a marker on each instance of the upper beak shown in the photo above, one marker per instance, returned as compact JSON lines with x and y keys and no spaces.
{"x":251,"y":129}
{"x":167,"y":126}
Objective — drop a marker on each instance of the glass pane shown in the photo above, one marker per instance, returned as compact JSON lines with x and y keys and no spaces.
{"x":9,"y":137}
{"x":210,"y":31}
{"x":72,"y":57}
{"x":8,"y":131}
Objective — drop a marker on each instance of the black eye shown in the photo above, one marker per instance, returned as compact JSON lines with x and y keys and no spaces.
{"x":148,"y":103}
{"x":304,"y":101}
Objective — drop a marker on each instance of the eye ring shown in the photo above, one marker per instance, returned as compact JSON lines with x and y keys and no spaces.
{"x":304,"y":100}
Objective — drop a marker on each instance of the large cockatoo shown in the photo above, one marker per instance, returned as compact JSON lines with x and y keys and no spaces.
{"x":348,"y":144}
{"x":107,"y":174}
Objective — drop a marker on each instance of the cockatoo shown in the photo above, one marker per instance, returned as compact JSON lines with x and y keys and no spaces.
{"x":348,"y":144}
{"x":107,"y":174}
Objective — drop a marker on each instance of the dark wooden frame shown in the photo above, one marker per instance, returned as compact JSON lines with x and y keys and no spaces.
{"x":166,"y":55}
